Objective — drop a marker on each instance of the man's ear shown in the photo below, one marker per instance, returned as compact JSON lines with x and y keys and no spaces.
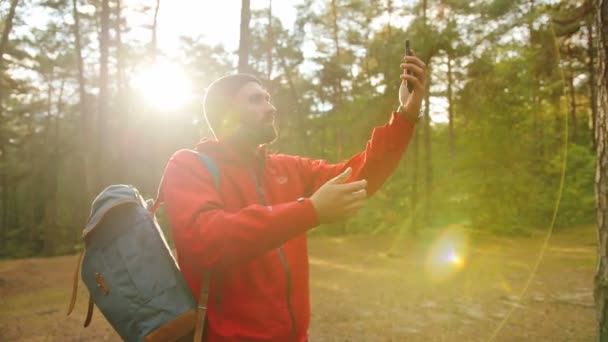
{"x":228,"y":124}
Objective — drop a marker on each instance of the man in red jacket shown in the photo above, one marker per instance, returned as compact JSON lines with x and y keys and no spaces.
{"x":250,"y":231}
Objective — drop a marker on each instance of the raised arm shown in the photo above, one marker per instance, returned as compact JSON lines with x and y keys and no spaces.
{"x":387,"y":143}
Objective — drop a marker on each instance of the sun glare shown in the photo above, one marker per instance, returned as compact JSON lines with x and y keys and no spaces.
{"x":455,"y":259}
{"x":447,"y":254}
{"x":163,"y":86}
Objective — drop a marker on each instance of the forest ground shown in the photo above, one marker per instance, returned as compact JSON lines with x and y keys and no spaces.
{"x":359,"y":292}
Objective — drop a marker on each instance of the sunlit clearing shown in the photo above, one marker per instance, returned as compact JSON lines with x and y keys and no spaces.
{"x":447,"y":255}
{"x":163,"y":86}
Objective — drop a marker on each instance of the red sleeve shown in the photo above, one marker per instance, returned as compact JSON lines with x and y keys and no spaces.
{"x":203,"y":229}
{"x":375,"y":164}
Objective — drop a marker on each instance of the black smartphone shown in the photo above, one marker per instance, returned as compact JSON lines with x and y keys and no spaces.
{"x":408,"y":52}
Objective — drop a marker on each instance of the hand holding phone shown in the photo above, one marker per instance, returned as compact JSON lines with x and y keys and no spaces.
{"x":408,"y":52}
{"x":413,"y":84}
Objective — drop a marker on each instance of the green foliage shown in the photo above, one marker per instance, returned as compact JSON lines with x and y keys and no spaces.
{"x":333,"y":76}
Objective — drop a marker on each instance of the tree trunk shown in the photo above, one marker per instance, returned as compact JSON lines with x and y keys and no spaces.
{"x":50,"y":234}
{"x":4,"y":210}
{"x":153,"y":45}
{"x":244,"y":40}
{"x":389,"y":12}
{"x":591,"y":71}
{"x":601,"y":175}
{"x":451,"y":137}
{"x":270,"y":41}
{"x":428,"y":167}
{"x":102,"y":150}
{"x":84,"y":119}
{"x":336,"y":38}
{"x":572,"y":103}
{"x":4,"y":200}
{"x":8,"y":26}
{"x":414,"y":186}
{"x":302,"y":128}
{"x":122,"y":98}
{"x":338,"y":85}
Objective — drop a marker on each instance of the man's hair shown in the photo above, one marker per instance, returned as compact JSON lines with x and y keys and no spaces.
{"x":220,"y":95}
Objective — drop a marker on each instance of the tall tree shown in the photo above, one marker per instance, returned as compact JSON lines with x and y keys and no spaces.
{"x":270,"y":42}
{"x":601,"y":180}
{"x":572,"y":96}
{"x":450,"y":98}
{"x":84,"y":115}
{"x":122,"y":101}
{"x":591,"y":71}
{"x":244,"y":41}
{"x":428,"y":164}
{"x":104,"y":96}
{"x":4,"y":212}
{"x":153,"y":45}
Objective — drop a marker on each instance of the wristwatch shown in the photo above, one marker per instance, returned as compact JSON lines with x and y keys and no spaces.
{"x":401,"y":111}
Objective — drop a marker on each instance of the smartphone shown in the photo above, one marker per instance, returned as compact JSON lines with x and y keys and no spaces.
{"x":408,"y":52}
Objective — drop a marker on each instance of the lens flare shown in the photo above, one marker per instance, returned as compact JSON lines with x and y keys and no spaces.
{"x":456,"y":260}
{"x":447,"y":254}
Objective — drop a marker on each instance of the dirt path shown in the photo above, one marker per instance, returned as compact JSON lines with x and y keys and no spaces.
{"x":361,"y":294}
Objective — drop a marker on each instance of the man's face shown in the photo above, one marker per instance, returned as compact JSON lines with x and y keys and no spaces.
{"x":255,"y":114}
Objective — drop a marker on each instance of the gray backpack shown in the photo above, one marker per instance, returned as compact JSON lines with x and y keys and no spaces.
{"x":131,"y":274}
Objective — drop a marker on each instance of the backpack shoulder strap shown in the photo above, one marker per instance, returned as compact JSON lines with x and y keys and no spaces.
{"x":203,"y":296}
{"x":201,"y":310}
{"x":75,"y":282}
{"x":211,"y":166}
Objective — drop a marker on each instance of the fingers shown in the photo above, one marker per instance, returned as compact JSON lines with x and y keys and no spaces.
{"x":353,"y":186}
{"x":413,"y":80}
{"x":418,"y":71}
{"x":414,"y":60}
{"x":341,"y":178}
{"x":354,"y":207}
{"x":355,"y":197}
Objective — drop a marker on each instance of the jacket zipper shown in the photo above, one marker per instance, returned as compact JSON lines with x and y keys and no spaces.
{"x":283,"y":261}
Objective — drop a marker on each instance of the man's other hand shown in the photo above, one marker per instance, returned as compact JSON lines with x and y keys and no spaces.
{"x":337,"y":200}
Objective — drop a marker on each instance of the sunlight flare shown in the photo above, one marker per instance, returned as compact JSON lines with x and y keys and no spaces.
{"x":447,"y":254}
{"x":163,"y":86}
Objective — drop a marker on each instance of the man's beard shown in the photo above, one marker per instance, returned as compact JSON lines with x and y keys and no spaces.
{"x":258,"y":133}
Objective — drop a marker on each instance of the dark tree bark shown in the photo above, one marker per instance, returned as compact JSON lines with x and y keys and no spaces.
{"x":244,"y":41}
{"x":591,"y":71}
{"x":601,"y":175}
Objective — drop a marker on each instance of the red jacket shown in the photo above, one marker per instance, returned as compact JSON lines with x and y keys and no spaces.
{"x":252,"y":232}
